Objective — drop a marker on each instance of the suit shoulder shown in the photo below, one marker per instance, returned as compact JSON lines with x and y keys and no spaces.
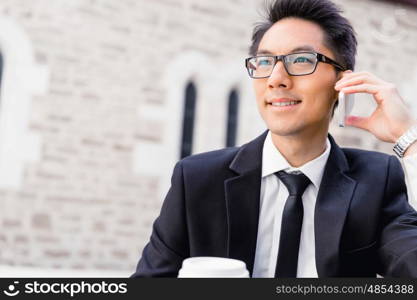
{"x":360,"y":157}
{"x":361,"y":153}
{"x":212,"y":159}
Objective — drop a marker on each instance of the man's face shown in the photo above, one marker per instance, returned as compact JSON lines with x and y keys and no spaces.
{"x":315,"y":91}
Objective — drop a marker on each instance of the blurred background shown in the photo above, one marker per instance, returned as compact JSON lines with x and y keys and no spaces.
{"x":100,"y":98}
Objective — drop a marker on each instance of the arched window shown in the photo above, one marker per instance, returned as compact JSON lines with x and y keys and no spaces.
{"x":232,"y":116}
{"x":21,"y":79}
{"x":188,"y":119}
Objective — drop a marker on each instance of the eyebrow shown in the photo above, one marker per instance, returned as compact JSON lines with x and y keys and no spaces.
{"x":296,"y":49}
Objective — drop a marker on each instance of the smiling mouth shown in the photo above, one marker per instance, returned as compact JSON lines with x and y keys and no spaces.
{"x":286,"y":103}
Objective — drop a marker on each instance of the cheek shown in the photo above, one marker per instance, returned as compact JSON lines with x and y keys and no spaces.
{"x":259,"y":87}
{"x":320,"y":94}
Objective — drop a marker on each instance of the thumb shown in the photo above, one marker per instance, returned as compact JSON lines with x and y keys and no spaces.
{"x":359,"y":122}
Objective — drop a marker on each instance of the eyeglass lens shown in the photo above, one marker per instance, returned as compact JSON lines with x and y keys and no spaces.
{"x":296,"y":64}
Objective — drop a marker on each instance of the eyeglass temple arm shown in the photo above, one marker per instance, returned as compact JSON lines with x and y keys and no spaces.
{"x":328,"y":60}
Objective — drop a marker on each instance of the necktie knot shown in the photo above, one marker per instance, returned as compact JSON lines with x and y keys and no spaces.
{"x":295,"y":183}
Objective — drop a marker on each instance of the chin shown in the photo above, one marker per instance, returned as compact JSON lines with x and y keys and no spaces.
{"x":284,"y":130}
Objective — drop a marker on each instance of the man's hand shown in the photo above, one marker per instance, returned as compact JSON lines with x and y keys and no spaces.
{"x":390,"y":119}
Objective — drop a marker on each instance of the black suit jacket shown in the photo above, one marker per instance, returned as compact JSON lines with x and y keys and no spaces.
{"x":363,"y":222}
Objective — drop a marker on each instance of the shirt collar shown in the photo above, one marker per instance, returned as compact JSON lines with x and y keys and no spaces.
{"x":273,"y":161}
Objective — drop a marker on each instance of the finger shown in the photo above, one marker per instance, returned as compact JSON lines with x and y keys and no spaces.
{"x":361,"y":88}
{"x":352,"y":81}
{"x":358,"y":122}
{"x":348,"y":75}
{"x":346,"y":78}
{"x":352,"y":74}
{"x":365,"y":75}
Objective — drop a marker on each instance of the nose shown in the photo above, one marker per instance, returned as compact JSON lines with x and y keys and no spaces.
{"x":279,"y":77}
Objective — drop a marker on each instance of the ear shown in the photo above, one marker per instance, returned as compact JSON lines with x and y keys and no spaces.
{"x":340,"y":74}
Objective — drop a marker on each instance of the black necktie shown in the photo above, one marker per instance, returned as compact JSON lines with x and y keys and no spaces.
{"x":292,"y":220}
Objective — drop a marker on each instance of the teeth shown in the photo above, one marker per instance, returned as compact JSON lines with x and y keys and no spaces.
{"x":285,"y":103}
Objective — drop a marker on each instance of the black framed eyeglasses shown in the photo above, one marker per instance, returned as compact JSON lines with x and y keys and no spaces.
{"x":296,"y":64}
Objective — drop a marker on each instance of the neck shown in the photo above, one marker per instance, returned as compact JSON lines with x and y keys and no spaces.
{"x":301,"y":148}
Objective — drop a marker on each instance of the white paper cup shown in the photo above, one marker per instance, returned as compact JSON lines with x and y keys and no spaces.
{"x":212,"y":267}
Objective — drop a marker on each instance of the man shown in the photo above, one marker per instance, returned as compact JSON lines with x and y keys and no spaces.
{"x":291,"y":203}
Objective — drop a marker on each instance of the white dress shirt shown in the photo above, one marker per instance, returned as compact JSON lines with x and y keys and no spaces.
{"x":409,"y":164}
{"x":272,"y":200}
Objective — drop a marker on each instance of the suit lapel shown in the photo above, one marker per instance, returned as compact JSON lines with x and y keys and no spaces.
{"x":242,"y":201}
{"x":242,"y":194}
{"x":333,"y":200}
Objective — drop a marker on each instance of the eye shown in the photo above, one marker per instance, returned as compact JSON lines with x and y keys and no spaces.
{"x":302,"y":59}
{"x":263,"y":62}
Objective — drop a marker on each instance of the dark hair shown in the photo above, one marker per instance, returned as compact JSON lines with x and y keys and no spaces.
{"x":339,"y":34}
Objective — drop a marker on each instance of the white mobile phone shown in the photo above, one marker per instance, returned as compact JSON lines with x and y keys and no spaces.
{"x":344,"y":107}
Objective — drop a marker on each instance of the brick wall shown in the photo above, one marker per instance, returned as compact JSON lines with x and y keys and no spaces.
{"x":82,"y":205}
